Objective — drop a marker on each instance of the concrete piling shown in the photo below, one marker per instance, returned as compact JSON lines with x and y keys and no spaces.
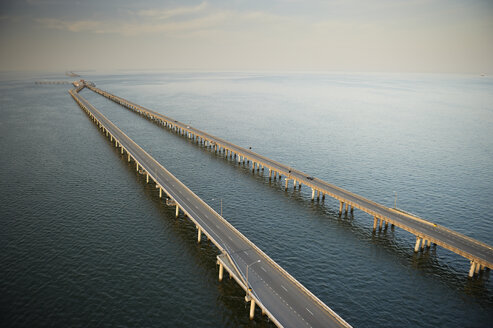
{"x":252,"y":308}
{"x":418,"y":241}
{"x":221,"y":270}
{"x":472,"y":269}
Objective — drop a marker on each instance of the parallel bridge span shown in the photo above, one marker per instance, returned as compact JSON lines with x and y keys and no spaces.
{"x":479,"y":253}
{"x":280,"y":296}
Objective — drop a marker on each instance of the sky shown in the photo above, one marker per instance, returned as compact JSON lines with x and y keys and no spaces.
{"x":437,"y":36}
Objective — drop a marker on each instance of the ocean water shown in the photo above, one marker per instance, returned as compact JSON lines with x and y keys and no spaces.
{"x":86,"y":242}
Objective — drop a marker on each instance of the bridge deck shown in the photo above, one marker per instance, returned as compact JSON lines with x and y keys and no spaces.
{"x":480,"y":254}
{"x":278,"y":294}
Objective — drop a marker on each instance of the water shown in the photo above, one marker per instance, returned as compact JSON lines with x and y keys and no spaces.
{"x":86,"y":242}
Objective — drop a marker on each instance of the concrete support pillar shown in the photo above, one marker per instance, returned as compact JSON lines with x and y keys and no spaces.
{"x":472,"y":269}
{"x":381,"y":223}
{"x":270,"y":174}
{"x":386,"y":224}
{"x":287,"y":182}
{"x":375,"y":222}
{"x":423,"y":244}
{"x":199,"y":234}
{"x":160,"y":192}
{"x":137,"y":166}
{"x":294,"y":184}
{"x":478,"y":266}
{"x":418,"y":241}
{"x":347,"y":206}
{"x":429,"y":243}
{"x":351,"y":208}
{"x":313,"y":194}
{"x":252,"y":308}
{"x":341,"y":204}
{"x":221,"y":270}
{"x":147,"y":177}
{"x":253,"y":166}
{"x":129,"y":157}
{"x":122,"y":150}
{"x":177,"y":210}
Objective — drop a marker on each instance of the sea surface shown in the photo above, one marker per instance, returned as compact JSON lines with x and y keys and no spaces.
{"x":85,"y":242}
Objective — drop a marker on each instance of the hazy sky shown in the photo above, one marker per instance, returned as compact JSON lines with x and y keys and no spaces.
{"x":342,"y":35}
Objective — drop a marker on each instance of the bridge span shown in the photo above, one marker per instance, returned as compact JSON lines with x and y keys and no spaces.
{"x":478,"y":253}
{"x":280,"y":296}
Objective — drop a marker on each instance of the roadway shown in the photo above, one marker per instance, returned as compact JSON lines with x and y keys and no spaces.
{"x":463,"y":245}
{"x":285,"y":300}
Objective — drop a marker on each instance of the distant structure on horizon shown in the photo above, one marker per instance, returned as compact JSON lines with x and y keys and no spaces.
{"x":71,"y":74}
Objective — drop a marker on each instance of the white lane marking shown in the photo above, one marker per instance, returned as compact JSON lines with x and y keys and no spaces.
{"x":263,"y":268}
{"x":284,"y":288}
{"x":309,"y":311}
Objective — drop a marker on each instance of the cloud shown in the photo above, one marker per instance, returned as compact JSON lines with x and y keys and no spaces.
{"x":45,"y":2}
{"x":168,"y":13}
{"x":72,"y":26}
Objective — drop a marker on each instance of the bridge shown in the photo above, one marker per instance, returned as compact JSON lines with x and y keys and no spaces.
{"x":478,"y":253}
{"x":280,"y":296}
{"x":52,"y":82}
